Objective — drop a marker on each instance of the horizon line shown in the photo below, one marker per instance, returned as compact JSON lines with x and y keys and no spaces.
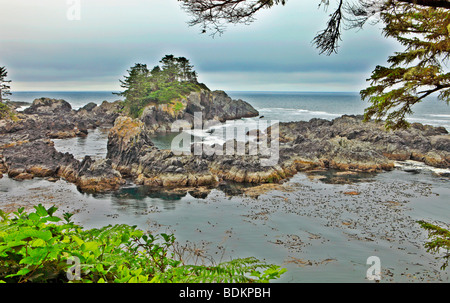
{"x":235,"y":91}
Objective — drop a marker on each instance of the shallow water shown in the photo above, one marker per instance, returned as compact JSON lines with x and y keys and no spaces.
{"x":93,"y":145}
{"x":314,"y":229}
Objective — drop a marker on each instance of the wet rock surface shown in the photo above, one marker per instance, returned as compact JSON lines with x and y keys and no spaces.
{"x":213,"y":106}
{"x":40,"y":159}
{"x":26,"y":149}
{"x":345,"y":144}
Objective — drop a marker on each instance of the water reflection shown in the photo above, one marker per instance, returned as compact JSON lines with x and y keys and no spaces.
{"x":94,"y":144}
{"x":331,"y":176}
{"x":143,"y":192}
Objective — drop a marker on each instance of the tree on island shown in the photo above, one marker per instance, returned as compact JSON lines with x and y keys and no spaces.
{"x":174,"y":79}
{"x":137,"y":87}
{"x":421,"y":26}
{"x":5,"y":89}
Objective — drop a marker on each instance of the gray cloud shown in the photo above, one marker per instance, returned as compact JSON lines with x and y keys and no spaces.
{"x":41,"y":46}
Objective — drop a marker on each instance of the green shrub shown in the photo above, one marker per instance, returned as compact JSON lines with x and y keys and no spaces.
{"x":173,"y":90}
{"x":36,"y":247}
{"x":6,"y":112}
{"x":178,"y":106}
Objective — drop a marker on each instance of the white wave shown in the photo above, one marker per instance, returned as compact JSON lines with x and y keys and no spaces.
{"x":429,"y":121}
{"x":439,"y":116}
{"x":213,"y":140}
{"x":270,"y":109}
{"x":419,"y":166}
{"x":197,"y":132}
{"x":298,"y":111}
{"x":324,"y":113}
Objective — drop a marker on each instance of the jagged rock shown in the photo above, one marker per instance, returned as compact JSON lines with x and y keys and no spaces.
{"x":48,"y":106}
{"x":51,"y":118}
{"x":37,"y":158}
{"x":40,"y":159}
{"x":26,"y":152}
{"x":348,"y":143}
{"x":88,"y":107}
{"x":214,"y":105}
{"x":98,"y":176}
{"x":132,"y":153}
{"x":345,"y":143}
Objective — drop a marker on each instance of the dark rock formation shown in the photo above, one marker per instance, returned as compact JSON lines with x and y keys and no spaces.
{"x":26,"y":149}
{"x":133,"y":154}
{"x":346,"y":144}
{"x":213,"y":105}
{"x":39,"y":158}
{"x":349,"y":143}
{"x":54,"y":119}
{"x":98,"y":176}
{"x":47,"y":106}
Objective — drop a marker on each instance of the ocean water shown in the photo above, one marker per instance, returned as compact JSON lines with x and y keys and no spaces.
{"x":296,"y":106}
{"x":308,"y":225}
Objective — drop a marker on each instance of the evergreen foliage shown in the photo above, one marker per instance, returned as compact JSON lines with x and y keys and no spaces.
{"x":439,"y":241}
{"x":6,"y":112}
{"x":421,"y":26}
{"x":414,"y":73}
{"x":174,"y":79}
{"x":5,"y":89}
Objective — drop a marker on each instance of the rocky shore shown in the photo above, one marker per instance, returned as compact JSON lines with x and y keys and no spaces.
{"x":27,"y":150}
{"x":345,"y":143}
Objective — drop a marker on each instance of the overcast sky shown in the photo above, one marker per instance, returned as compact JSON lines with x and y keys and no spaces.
{"x":43,"y":50}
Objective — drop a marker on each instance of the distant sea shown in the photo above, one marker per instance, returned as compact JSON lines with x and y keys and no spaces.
{"x":280,"y":106}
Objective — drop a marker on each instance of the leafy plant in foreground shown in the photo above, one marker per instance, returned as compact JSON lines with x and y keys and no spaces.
{"x":35,"y":247}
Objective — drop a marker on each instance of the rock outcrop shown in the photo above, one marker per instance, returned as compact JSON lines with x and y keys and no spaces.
{"x":133,"y":154}
{"x":39,"y":158}
{"x":55,"y":119}
{"x":213,"y":105}
{"x":47,"y":106}
{"x":345,"y":143}
{"x":26,"y":149}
